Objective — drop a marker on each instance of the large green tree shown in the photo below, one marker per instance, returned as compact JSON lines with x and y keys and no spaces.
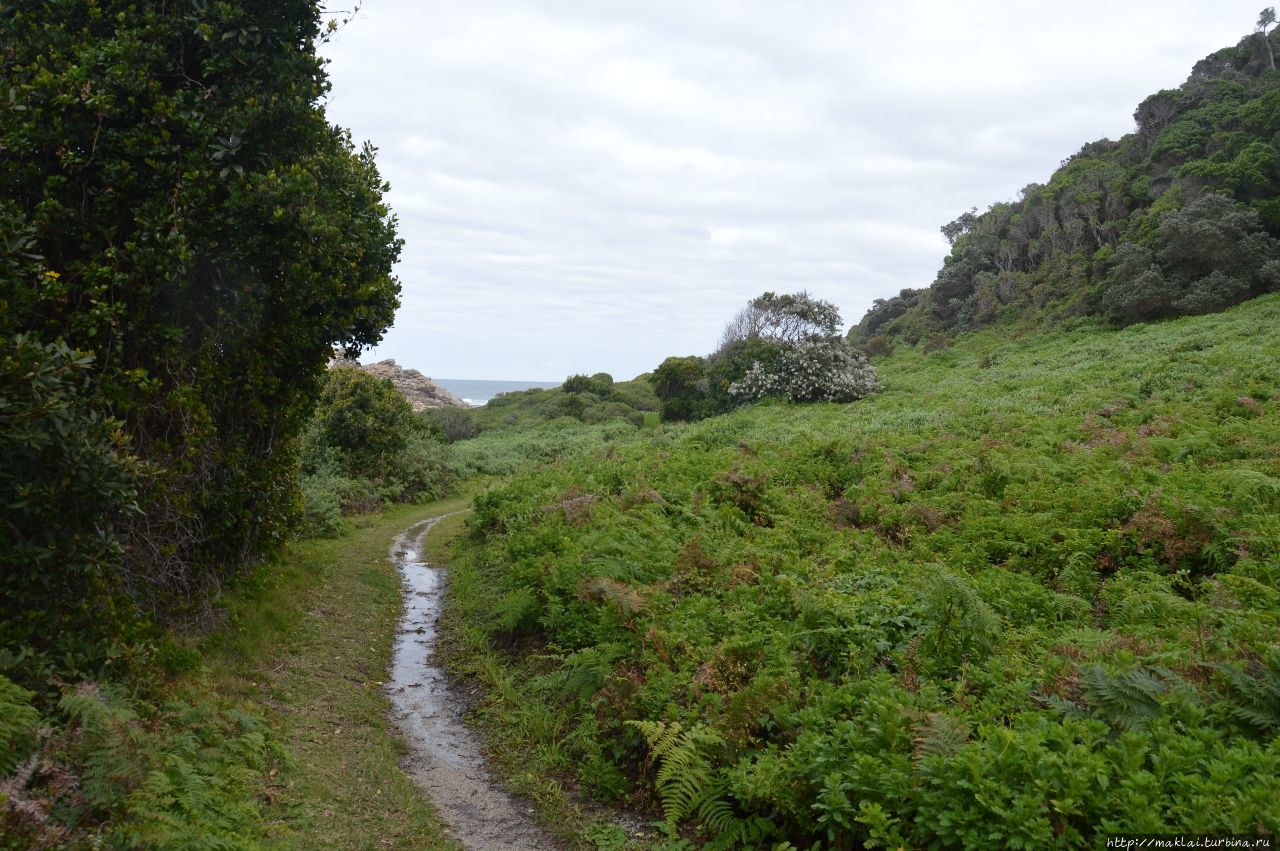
{"x":185,"y":215}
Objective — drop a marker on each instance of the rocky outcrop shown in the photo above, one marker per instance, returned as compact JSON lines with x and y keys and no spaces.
{"x":421,"y":392}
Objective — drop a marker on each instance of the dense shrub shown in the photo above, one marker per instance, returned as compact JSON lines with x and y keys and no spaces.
{"x":587,"y":399}
{"x":682,"y":388}
{"x":600,"y":384}
{"x":826,"y":370}
{"x":174,"y":202}
{"x":365,"y":447}
{"x":67,"y":483}
{"x":364,"y":420}
{"x":453,"y":424}
{"x":1195,"y":187}
{"x":786,"y":346}
{"x":1209,"y":255}
{"x":606,"y":411}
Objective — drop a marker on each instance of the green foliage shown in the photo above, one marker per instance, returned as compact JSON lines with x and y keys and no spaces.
{"x":364,"y":448}
{"x":67,"y":484}
{"x":1128,"y":700}
{"x":364,"y":420}
{"x":1025,"y":597}
{"x":499,"y":452}
{"x":453,"y":424}
{"x":1211,"y":254}
{"x":785,"y":346}
{"x":592,"y":400}
{"x":601,"y":384}
{"x":18,"y":722}
{"x":180,"y":208}
{"x":826,"y":370}
{"x":129,"y":775}
{"x":681,"y":384}
{"x":687,"y":783}
{"x":1255,"y":691}
{"x":1194,"y":187}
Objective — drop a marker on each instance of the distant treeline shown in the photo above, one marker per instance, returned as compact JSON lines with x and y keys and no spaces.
{"x":1179,"y":217}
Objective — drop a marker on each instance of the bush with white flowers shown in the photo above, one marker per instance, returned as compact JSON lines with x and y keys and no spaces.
{"x":823,"y":369}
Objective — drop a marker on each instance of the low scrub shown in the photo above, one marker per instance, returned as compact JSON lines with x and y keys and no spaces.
{"x":364,"y":448}
{"x":1026,"y":597}
{"x":110,"y":770}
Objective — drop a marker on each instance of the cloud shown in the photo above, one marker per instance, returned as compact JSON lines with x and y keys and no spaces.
{"x":589,"y":186}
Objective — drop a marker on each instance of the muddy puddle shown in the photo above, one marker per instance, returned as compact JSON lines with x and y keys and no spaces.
{"x":445,"y":757}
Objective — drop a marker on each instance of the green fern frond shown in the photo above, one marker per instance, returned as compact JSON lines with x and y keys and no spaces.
{"x":686,"y":780}
{"x":18,"y":723}
{"x":1242,"y":480}
{"x":733,"y":832}
{"x":1069,"y":708}
{"x":580,"y":674}
{"x":517,"y":611}
{"x":1128,"y":700}
{"x":1256,"y":694}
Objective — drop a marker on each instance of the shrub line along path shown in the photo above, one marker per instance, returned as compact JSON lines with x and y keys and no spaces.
{"x":444,"y":756}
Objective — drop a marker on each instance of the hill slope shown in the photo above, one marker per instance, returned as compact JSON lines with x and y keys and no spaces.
{"x":1026,"y":597}
{"x":1179,"y":217}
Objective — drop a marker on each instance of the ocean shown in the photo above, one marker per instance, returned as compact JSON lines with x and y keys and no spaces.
{"x":476,"y":392}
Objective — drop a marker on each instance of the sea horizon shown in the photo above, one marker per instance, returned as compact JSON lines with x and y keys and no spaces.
{"x":476,"y":392}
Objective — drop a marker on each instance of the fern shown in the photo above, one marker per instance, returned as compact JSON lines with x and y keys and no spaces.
{"x":1257,"y":697}
{"x":1244,"y":481}
{"x":580,"y":674}
{"x":686,"y":781}
{"x":110,"y":742}
{"x":18,"y":722}
{"x":937,"y":734}
{"x":1127,"y":700}
{"x":729,"y":830}
{"x":517,"y":611}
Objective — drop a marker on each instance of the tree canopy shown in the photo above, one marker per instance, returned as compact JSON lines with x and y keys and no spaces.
{"x":1195,"y":190}
{"x":178,"y":212}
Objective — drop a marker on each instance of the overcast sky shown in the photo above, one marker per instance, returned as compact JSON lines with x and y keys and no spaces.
{"x":594,"y":186}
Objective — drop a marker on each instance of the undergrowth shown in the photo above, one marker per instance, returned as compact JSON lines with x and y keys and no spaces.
{"x":1027,"y":597}
{"x":108,"y":770}
{"x":271,"y":732}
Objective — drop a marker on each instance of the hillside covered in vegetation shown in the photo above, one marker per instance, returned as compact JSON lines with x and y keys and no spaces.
{"x":1025,"y":597}
{"x":1179,"y":217}
{"x":1000,"y":567}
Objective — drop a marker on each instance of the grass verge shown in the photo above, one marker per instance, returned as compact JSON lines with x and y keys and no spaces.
{"x":309,"y":648}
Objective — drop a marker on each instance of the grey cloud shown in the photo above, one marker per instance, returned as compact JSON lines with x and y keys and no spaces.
{"x":589,"y":186}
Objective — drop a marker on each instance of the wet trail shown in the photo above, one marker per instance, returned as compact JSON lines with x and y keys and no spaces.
{"x":444,"y":757}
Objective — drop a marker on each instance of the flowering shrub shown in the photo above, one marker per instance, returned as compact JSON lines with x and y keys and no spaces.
{"x":787,"y":346}
{"x":817,"y":370}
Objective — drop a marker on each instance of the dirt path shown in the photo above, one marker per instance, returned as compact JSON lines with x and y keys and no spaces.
{"x":444,"y":756}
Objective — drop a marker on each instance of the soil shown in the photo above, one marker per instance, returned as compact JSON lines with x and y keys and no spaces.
{"x":445,"y":757}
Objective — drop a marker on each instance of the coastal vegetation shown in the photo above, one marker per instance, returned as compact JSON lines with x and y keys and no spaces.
{"x":186,"y":240}
{"x":365,"y":448}
{"x":779,"y":346}
{"x":1179,"y":217}
{"x":998,"y":567}
{"x":1024,"y":597}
